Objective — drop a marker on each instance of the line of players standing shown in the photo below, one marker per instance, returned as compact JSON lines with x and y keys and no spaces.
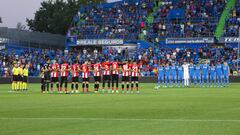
{"x":107,"y":71}
{"x":203,"y":75}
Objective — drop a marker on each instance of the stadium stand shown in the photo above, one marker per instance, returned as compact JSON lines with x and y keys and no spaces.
{"x":148,"y":57}
{"x":118,"y":20}
{"x":186,"y":18}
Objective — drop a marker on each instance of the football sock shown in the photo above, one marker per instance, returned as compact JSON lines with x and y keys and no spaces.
{"x":83,"y":86}
{"x":13,"y":85}
{"x":87,"y":87}
{"x":76,"y":85}
{"x":51,"y":86}
{"x":72,"y":86}
{"x":57,"y":86}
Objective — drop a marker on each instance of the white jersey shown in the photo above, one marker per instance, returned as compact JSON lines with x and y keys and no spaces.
{"x":185,"y":71}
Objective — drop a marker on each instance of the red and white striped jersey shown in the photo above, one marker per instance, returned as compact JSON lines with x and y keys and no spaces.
{"x":106,"y":66}
{"x":97,"y":69}
{"x":64,"y":70}
{"x":130,"y":67}
{"x":115,"y":68}
{"x":125,"y":69}
{"x":54,"y":68}
{"x":135,"y":70}
{"x":85,"y":71}
{"x":75,"y":68}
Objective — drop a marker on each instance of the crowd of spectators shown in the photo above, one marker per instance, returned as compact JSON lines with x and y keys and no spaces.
{"x":200,"y":18}
{"x":121,"y":20}
{"x":147,"y":58}
{"x":233,"y":22}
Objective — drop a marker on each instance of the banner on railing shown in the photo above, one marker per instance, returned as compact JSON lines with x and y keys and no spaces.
{"x":2,"y":47}
{"x":189,"y":40}
{"x":3,"y":40}
{"x":99,"y":42}
{"x":229,"y":40}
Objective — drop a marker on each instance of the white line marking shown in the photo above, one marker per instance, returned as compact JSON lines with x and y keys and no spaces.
{"x":125,"y":119}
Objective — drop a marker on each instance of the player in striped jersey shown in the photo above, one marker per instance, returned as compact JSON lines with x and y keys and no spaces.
{"x":85,"y":76}
{"x":75,"y":74}
{"x":135,"y":73}
{"x":106,"y":75}
{"x":115,"y":73}
{"x":125,"y":76}
{"x":64,"y":76}
{"x":97,"y":75}
{"x":54,"y":75}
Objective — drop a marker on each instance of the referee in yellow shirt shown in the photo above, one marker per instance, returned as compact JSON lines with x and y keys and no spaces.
{"x":20,"y":77}
{"x":25,"y":77}
{"x":15,"y":77}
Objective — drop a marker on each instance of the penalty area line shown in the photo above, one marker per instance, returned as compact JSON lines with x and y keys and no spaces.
{"x":124,"y":119}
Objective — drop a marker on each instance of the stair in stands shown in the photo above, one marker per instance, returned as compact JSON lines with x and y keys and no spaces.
{"x":150,"y":19}
{"x":225,"y":14}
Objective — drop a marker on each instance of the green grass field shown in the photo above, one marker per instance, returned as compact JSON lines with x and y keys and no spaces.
{"x":168,"y":111}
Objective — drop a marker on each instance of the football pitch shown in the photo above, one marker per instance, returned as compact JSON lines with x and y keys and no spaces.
{"x":167,"y":111}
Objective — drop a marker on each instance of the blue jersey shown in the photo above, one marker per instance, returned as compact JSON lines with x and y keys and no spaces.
{"x":160,"y":71}
{"x":180,"y":71}
{"x":225,"y":70}
{"x":198,"y":71}
{"x":173,"y":70}
{"x":167,"y":71}
{"x":191,"y":70}
{"x":219,"y":69}
{"x":212,"y":71}
{"x":205,"y":69}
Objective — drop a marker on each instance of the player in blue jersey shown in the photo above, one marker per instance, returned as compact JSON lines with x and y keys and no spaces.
{"x":198,"y":74}
{"x":212,"y":75}
{"x":180,"y":75}
{"x":225,"y":74}
{"x":205,"y":74}
{"x":160,"y":70}
{"x":191,"y":73}
{"x":167,"y":74}
{"x":173,"y":74}
{"x":219,"y":70}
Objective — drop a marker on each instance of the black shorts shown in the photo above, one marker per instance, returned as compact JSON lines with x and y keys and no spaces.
{"x":64,"y":79}
{"x":20,"y":78}
{"x":97,"y":78}
{"x":74,"y":79}
{"x":114,"y":77}
{"x":42,"y":80}
{"x":125,"y":78}
{"x":106,"y":78}
{"x":134,"y":79}
{"x":15,"y":78}
{"x":85,"y":79}
{"x":54,"y":79}
{"x":47,"y":76}
{"x":25,"y":78}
